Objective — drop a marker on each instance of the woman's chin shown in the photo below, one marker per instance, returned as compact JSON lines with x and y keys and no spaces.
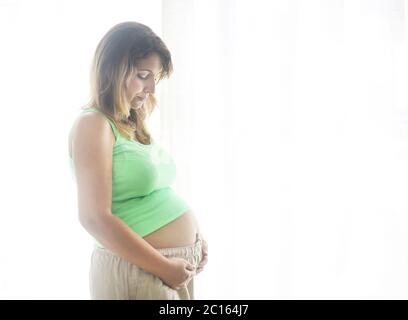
{"x":136,"y":107}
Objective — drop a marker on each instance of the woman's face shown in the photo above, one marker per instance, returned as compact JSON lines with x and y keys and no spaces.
{"x":143,"y":82}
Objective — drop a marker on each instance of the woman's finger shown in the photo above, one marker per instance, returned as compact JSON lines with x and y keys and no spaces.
{"x":204,"y":256}
{"x":202,"y":263}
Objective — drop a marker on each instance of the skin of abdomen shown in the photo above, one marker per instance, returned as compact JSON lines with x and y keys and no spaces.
{"x":178,"y":233}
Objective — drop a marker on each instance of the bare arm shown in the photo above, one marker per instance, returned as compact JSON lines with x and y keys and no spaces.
{"x":92,"y":144}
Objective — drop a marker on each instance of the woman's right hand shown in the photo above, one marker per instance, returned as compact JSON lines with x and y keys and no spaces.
{"x":178,"y":273}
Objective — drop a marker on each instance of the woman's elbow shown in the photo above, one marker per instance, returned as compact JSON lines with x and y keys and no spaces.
{"x":91,"y":221}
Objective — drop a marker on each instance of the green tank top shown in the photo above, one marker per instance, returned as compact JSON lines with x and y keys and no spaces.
{"x":142,"y":176}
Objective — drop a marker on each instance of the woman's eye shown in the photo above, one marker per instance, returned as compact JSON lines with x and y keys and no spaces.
{"x":146,"y":76}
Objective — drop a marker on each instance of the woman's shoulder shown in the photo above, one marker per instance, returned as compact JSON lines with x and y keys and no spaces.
{"x":92,"y":126}
{"x":91,"y":121}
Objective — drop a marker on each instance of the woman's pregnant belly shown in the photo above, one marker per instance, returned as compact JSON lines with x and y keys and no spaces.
{"x":178,"y":233}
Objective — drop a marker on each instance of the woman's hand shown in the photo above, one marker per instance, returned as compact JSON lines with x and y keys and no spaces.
{"x":178,"y":274}
{"x":204,"y":258}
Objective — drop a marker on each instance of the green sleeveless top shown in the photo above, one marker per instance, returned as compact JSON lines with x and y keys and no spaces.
{"x":142,"y":176}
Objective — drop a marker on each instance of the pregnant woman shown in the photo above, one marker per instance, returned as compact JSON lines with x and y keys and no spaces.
{"x":147,"y":240}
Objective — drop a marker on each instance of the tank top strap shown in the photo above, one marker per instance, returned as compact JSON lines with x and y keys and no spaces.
{"x":112,"y":124}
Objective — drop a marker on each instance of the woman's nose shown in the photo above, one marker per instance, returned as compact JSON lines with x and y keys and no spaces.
{"x":150,"y":88}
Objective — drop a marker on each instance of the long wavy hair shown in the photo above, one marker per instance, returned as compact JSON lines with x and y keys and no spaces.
{"x":114,"y":62}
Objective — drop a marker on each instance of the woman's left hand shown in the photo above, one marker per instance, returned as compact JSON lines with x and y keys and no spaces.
{"x":204,"y":258}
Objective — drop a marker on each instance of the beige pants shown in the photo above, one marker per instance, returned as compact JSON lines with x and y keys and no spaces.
{"x":113,"y":278}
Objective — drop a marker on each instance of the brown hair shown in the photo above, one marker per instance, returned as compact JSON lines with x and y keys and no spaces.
{"x":113,"y":63}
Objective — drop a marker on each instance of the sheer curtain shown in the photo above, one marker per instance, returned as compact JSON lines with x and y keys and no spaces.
{"x":287,"y":120}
